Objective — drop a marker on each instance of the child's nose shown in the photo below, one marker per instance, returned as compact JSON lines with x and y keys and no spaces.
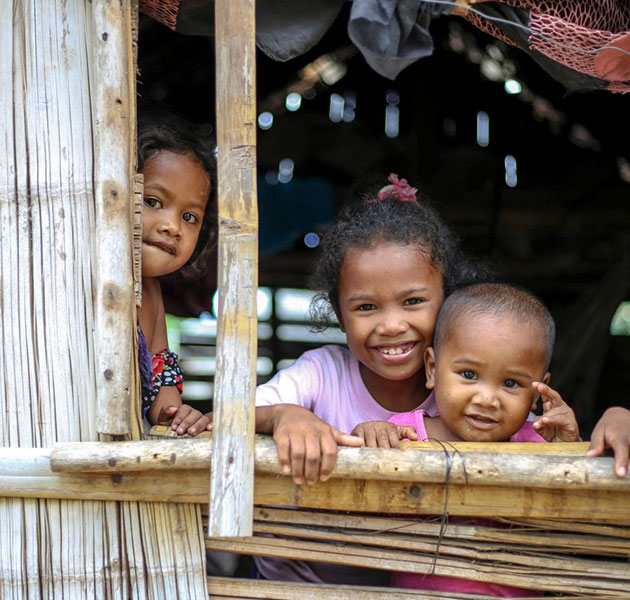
{"x":171,"y":225}
{"x":392,"y":324}
{"x":486,"y":396}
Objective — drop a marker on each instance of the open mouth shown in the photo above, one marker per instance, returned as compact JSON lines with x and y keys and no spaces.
{"x":397,"y":350}
{"x":481,"y":421}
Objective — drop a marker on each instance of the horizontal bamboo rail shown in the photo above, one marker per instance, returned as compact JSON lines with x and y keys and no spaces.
{"x":241,"y":589}
{"x":430,"y":466}
{"x":29,"y":473}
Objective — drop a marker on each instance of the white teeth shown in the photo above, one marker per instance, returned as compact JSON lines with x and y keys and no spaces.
{"x":392,"y":351}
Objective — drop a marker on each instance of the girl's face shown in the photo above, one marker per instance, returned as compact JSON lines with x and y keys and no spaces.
{"x":176,"y":190}
{"x":389,"y":297}
{"x":483,"y":376}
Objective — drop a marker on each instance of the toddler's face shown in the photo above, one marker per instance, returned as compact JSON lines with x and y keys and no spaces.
{"x":176,"y":189}
{"x":389,"y":296}
{"x":483,"y":376}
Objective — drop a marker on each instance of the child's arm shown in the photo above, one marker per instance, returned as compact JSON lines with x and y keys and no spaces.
{"x":383,"y":434}
{"x":167,"y":408}
{"x":613,"y":431}
{"x":557,"y":423}
{"x":307,"y":446}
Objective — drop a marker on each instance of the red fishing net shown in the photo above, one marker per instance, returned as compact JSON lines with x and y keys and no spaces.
{"x":583,"y":36}
{"x":164,"y":11}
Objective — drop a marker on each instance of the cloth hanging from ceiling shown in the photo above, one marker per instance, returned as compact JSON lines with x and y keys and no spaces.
{"x":583,"y":45}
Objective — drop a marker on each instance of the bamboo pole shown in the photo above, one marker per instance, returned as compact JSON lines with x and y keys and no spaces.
{"x":547,"y":470}
{"x":231,"y":488}
{"x":113,"y":113}
{"x":31,"y":477}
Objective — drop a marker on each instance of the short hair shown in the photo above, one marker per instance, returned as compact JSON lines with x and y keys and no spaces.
{"x":162,"y":131}
{"x":496,"y":299}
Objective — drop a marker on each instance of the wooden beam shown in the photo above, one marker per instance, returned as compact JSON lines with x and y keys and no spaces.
{"x":231,"y":488}
{"x":23,"y":475}
{"x":421,"y":462}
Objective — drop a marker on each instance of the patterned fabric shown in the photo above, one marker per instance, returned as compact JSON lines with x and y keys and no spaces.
{"x":166,"y":372}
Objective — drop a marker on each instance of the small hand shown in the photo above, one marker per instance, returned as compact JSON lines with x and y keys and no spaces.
{"x":184,"y":419}
{"x":307,"y":446}
{"x":557,"y":423}
{"x":383,"y":434}
{"x":613,"y":431}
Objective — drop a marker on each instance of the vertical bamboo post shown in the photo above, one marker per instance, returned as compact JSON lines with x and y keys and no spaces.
{"x":113,"y":111}
{"x":232,"y":479}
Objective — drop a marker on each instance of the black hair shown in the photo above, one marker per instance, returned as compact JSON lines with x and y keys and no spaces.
{"x":368,"y":221}
{"x":167,"y":131}
{"x":496,"y":299}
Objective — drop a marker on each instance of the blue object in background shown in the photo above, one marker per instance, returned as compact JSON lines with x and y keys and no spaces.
{"x":288,"y":210}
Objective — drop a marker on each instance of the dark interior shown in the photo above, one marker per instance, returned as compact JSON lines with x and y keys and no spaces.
{"x":562,"y":231}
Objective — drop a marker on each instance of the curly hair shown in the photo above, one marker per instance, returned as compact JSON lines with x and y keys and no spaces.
{"x":373,"y":219}
{"x":166,"y":131}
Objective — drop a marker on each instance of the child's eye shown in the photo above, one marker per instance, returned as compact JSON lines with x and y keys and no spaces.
{"x":413,"y":301}
{"x":152,"y":202}
{"x":365,"y":307}
{"x":190,"y":218}
{"x":468,"y":374}
{"x":511,"y":383}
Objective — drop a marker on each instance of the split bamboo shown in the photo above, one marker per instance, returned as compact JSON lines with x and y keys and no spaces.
{"x":532,"y":557}
{"x":66,"y":300}
{"x":232,"y":479}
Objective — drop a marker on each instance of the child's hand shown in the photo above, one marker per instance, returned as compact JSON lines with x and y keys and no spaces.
{"x":613,"y":431}
{"x":184,"y":419}
{"x":557,"y":423}
{"x":383,"y":434}
{"x":307,"y":446}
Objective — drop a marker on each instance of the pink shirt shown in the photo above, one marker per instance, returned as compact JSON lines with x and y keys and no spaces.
{"x":415,"y":418}
{"x":327,"y":382}
{"x":451,"y":584}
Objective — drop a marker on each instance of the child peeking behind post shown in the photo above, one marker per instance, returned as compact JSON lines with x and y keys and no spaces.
{"x":178,"y":163}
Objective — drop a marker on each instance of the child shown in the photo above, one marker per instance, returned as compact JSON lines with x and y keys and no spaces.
{"x":488,"y":367}
{"x":384,"y":269}
{"x":178,"y":164}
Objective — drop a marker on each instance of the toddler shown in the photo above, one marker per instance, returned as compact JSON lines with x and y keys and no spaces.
{"x":488,"y":368}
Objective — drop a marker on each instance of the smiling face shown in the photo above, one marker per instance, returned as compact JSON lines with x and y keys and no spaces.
{"x":483,"y":376}
{"x":389,"y":297}
{"x":176,"y":190}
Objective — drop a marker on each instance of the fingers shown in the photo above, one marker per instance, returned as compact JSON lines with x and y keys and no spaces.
{"x":166,"y":414}
{"x":558,"y":425}
{"x":621,"y":449}
{"x":549,"y":396}
{"x":329,"y":455}
{"x":393,"y":437}
{"x":408,"y":432}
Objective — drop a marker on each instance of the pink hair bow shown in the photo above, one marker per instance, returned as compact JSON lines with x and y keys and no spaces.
{"x":399,"y":189}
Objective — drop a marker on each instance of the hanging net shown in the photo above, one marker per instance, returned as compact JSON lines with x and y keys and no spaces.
{"x":164,"y":11}
{"x":589,"y":37}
